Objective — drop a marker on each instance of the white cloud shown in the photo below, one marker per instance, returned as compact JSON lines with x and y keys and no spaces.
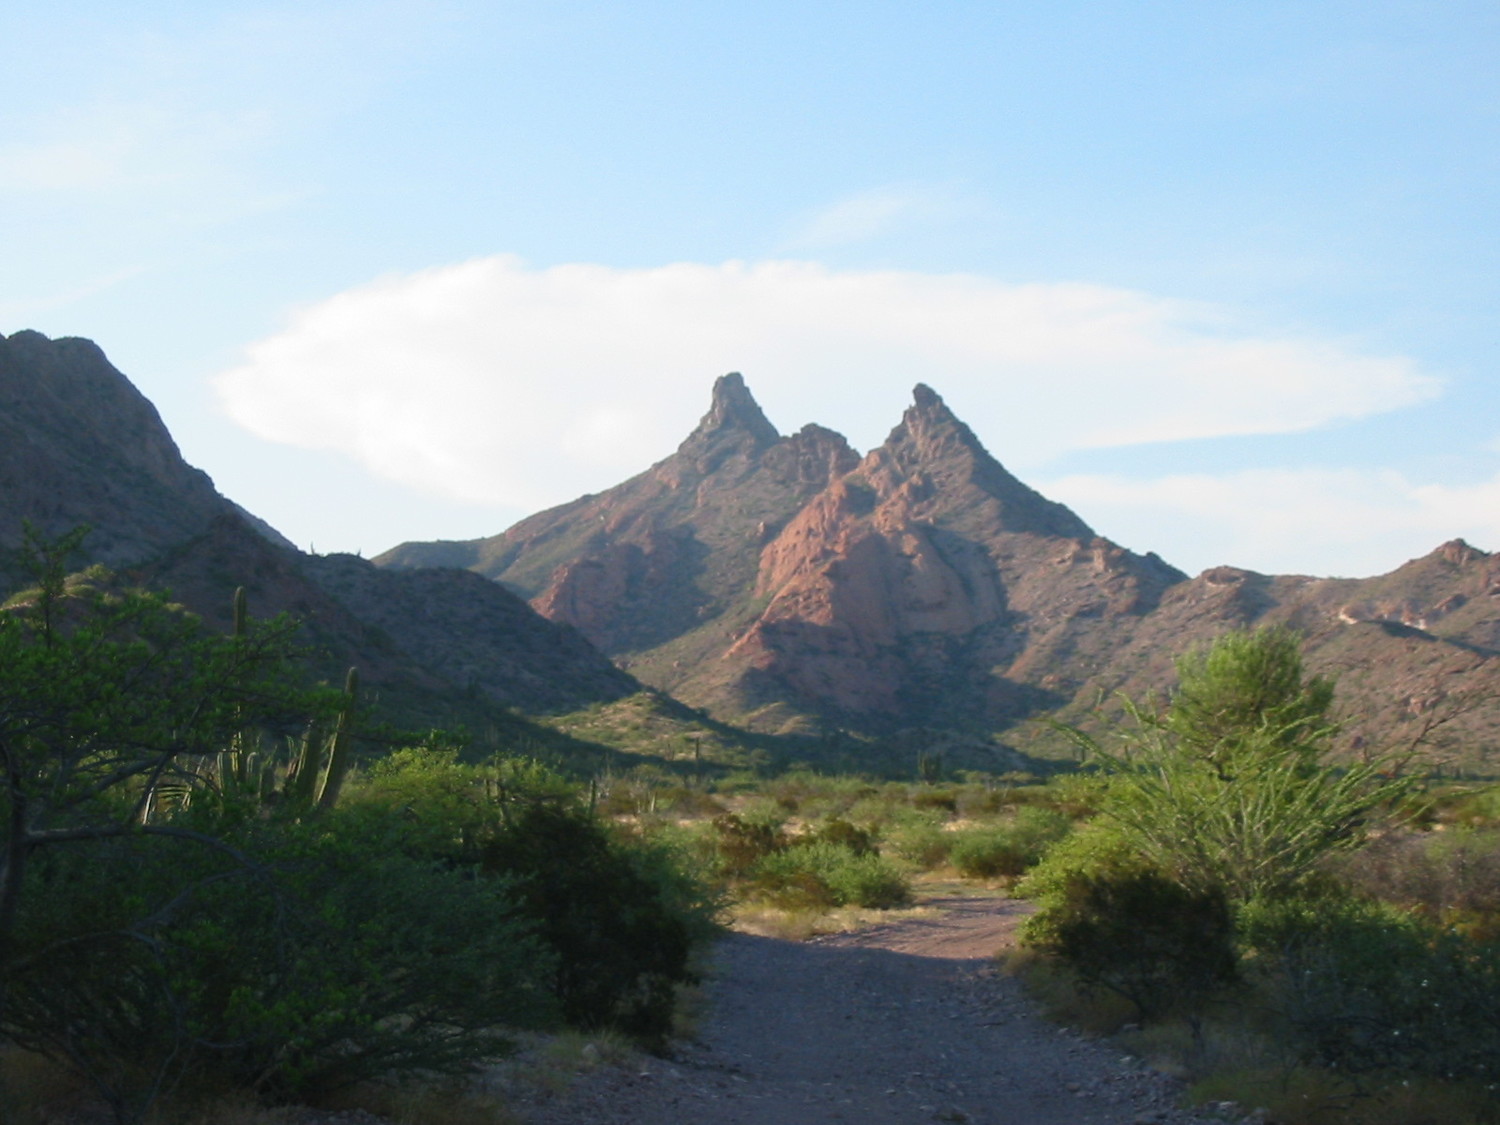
{"x":492,"y":382}
{"x":1286,"y":521}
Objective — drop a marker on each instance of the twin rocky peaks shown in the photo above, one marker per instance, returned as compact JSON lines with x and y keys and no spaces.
{"x":784,"y":582}
{"x":787,"y":583}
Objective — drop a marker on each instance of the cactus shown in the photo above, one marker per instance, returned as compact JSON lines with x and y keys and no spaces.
{"x":302,"y":779}
{"x":340,"y":745}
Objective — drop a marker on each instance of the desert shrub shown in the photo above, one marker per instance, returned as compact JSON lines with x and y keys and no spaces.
{"x":623,"y":935}
{"x":866,"y":879}
{"x":1364,"y":987}
{"x":1451,"y":878}
{"x":918,"y":839}
{"x":1473,"y":809}
{"x":1141,"y":935}
{"x":822,"y":874}
{"x":686,"y":801}
{"x":1008,"y":850}
{"x":1228,"y":789}
{"x":621,"y":917}
{"x":311,"y":959}
{"x":937,"y":800}
{"x":1077,"y":796}
{"x":836,"y":830}
{"x":742,"y":844}
{"x":876,"y":808}
{"x":977,"y":801}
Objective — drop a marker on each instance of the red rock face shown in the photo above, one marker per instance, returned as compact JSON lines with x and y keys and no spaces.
{"x":919,"y":566}
{"x":760,"y":577}
{"x":749,"y":569}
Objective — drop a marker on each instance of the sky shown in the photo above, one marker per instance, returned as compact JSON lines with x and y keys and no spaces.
{"x":1220,"y":277}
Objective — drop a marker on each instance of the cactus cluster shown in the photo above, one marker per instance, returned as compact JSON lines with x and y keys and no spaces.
{"x":303,"y":775}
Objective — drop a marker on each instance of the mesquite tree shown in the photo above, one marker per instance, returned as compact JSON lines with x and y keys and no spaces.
{"x":105,"y":695}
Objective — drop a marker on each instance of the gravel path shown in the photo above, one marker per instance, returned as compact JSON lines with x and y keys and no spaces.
{"x":905,"y":1023}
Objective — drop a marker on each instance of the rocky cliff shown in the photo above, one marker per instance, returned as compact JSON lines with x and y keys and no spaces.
{"x":788,"y":582}
{"x":791,"y":584}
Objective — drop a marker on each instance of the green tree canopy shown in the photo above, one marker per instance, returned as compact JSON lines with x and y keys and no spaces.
{"x":106,"y":694}
{"x":1230,"y":788}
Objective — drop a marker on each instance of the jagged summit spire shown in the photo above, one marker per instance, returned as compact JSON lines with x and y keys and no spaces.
{"x":929,"y":418}
{"x":925,"y":398}
{"x":733,"y":408}
{"x":933,"y":441}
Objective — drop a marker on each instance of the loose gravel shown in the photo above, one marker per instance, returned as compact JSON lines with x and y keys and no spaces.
{"x":905,"y":1023}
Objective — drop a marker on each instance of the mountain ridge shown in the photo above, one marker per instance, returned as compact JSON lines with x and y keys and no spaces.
{"x":80,"y":445}
{"x":925,"y":586}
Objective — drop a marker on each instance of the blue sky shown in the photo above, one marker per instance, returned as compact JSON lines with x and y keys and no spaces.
{"x":1221,"y":277}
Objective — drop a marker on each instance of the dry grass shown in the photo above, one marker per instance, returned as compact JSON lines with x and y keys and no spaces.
{"x":1310,"y":1096}
{"x":1231,"y":1060}
{"x":1056,"y":992}
{"x":549,"y":1064}
{"x":765,"y":920}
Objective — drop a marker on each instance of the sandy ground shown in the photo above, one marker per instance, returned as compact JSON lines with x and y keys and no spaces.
{"x":908,"y":1022}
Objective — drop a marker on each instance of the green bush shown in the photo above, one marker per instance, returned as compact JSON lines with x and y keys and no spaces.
{"x":917,"y":838}
{"x":835,"y":830}
{"x":1451,"y":878}
{"x":313,"y":959}
{"x":1140,"y":935}
{"x":937,"y":800}
{"x":621,"y":916}
{"x":742,"y":844}
{"x":822,"y":874}
{"x":1365,"y":987}
{"x":1008,"y":850}
{"x":623,"y":931}
{"x":1229,"y":789}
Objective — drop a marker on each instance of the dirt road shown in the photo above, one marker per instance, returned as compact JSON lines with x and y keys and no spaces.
{"x":901,"y":1024}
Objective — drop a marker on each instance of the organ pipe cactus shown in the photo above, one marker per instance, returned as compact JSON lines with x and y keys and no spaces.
{"x":339,"y":754}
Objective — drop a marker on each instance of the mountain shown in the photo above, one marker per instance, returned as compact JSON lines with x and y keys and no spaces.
{"x":80,"y":445}
{"x":790,"y":584}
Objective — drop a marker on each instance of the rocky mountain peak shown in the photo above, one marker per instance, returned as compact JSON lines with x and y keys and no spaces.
{"x":933,"y":444}
{"x":733,"y":408}
{"x":925,"y":398}
{"x":82,"y":446}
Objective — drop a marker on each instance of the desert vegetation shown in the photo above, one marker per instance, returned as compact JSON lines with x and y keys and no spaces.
{"x":221,"y":882}
{"x":1316,"y":939}
{"x":200,"y":898}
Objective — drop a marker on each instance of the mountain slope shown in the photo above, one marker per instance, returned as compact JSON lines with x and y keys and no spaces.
{"x":80,"y":445}
{"x":786,"y":581}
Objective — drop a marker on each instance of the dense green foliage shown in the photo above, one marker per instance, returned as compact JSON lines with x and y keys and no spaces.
{"x":1364,"y":986}
{"x":1229,"y":790}
{"x":322,"y":957}
{"x":1229,"y":861}
{"x":1008,"y":850}
{"x":182,"y":908}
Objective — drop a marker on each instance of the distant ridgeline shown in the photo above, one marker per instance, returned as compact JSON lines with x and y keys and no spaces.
{"x":789,"y":584}
{"x":781,"y":582}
